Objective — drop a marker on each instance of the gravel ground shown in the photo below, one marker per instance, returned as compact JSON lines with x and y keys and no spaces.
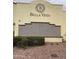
{"x":48,"y":51}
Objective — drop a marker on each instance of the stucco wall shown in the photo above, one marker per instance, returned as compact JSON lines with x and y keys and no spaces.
{"x":21,"y":15}
{"x":53,"y":39}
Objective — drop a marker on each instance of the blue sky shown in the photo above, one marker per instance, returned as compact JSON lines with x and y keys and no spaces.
{"x":50,"y":1}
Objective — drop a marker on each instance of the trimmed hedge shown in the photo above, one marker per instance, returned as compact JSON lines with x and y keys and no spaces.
{"x":36,"y":41}
{"x":28,"y":41}
{"x":23,"y":43}
{"x":16,"y":40}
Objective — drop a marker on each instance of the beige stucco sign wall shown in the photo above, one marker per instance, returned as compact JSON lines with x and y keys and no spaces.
{"x":39,"y":11}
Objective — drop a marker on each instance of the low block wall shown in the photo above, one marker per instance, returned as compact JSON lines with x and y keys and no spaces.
{"x":53,"y":39}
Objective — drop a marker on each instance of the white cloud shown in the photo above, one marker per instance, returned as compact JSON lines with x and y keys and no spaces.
{"x":63,"y":2}
{"x":23,"y":1}
{"x":55,"y":1}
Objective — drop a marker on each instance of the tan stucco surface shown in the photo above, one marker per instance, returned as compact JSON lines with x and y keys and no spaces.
{"x":21,"y":15}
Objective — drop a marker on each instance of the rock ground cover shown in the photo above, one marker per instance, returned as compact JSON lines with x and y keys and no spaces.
{"x":47,"y":51}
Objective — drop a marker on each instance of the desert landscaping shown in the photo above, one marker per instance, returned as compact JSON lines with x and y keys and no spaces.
{"x":47,"y":51}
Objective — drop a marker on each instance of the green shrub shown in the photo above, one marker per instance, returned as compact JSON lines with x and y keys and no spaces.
{"x":16,"y":40}
{"x":34,"y":41}
{"x":28,"y":41}
{"x":23,"y":43}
